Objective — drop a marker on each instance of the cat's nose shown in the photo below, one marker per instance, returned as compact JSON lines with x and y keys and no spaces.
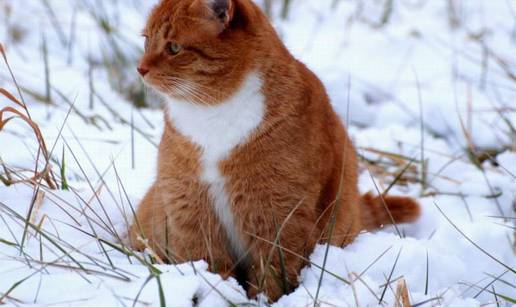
{"x":143,"y":70}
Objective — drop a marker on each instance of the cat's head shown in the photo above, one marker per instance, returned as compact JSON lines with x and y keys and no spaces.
{"x":198,"y":50}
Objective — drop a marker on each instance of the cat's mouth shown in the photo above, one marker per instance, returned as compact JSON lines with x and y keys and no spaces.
{"x":178,"y":88}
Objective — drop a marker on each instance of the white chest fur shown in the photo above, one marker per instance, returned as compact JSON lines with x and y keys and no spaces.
{"x":217,"y":130}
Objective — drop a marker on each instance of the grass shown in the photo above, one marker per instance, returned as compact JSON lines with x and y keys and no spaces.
{"x":59,"y":180}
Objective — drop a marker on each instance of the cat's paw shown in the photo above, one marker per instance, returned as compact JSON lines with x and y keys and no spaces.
{"x":135,"y":240}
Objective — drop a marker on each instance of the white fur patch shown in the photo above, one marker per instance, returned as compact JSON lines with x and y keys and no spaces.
{"x":218,"y":130}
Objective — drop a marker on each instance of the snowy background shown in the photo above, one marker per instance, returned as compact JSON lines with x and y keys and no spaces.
{"x":430,"y":86}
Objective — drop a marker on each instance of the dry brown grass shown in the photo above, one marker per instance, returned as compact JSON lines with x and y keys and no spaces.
{"x":7,"y":114}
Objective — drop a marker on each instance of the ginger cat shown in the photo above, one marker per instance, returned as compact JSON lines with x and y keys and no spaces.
{"x":254,"y":167}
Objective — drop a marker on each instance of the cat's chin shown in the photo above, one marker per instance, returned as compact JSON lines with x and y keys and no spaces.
{"x":164,"y":93}
{"x":168,"y":95}
{"x":150,"y":83}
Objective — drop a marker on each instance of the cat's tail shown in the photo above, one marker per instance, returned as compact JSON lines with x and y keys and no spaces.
{"x":385,"y":210}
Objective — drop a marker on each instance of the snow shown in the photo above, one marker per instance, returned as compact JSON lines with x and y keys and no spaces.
{"x":414,"y":71}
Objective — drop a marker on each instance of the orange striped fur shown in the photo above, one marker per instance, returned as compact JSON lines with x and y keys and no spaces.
{"x":253,"y":156}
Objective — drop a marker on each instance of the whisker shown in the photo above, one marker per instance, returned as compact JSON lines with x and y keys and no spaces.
{"x":195,"y":93}
{"x":187,"y":94}
{"x":197,"y":85}
{"x":188,"y":90}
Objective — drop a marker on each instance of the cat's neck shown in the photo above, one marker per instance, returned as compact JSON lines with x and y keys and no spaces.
{"x":218,"y":128}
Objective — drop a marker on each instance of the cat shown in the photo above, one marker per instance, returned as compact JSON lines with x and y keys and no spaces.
{"x":254,"y":167}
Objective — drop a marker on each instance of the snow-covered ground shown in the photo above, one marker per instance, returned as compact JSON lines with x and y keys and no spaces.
{"x":431,"y":95}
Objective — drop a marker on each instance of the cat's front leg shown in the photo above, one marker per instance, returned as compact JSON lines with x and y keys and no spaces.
{"x":147,"y":221}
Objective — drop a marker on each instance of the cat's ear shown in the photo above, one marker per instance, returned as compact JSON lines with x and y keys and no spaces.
{"x":223,"y":11}
{"x":219,"y":12}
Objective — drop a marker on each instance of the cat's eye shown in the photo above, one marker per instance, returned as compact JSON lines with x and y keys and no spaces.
{"x":174,"y":48}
